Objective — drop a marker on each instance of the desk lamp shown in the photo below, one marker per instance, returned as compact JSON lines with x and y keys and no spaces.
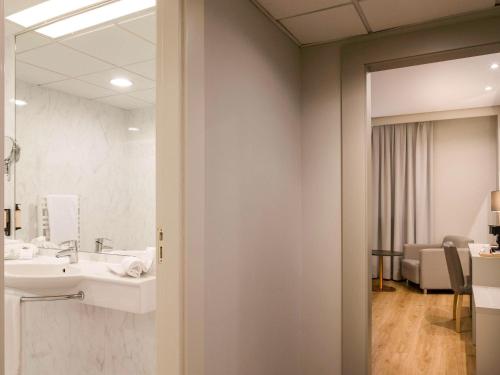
{"x":495,"y":207}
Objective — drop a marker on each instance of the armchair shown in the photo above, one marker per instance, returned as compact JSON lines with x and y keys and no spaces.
{"x":425,"y":264}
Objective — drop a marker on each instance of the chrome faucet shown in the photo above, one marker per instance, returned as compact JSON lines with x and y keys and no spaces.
{"x":71,"y":251}
{"x":100,"y":244}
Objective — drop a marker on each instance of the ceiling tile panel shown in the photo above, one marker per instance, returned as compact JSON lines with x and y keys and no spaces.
{"x":387,"y":14}
{"x":144,"y":26}
{"x":440,"y":86}
{"x":114,"y":45}
{"x":61,"y":59}
{"x":124,"y":101}
{"x":27,"y":41}
{"x":103,"y":79}
{"x":287,"y":8}
{"x":146,"y":69}
{"x":146,"y":95}
{"x":79,"y":88}
{"x":332,"y":24}
{"x":38,"y":76}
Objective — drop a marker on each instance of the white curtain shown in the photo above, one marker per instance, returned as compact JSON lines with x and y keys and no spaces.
{"x":402,"y":173}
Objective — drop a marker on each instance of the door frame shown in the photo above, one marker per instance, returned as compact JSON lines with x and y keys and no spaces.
{"x":170,"y":187}
{"x":451,"y":39}
{"x":180,"y":186}
{"x":2,"y":115}
{"x":170,"y":125}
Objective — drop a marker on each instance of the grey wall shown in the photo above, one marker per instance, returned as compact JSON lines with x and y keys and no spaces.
{"x":250,"y":99}
{"x":253,"y":194}
{"x":465,"y":172}
{"x":321,"y":266}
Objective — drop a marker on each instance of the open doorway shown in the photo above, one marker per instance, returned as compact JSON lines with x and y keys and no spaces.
{"x":434,"y":153}
{"x":85,"y":130}
{"x":451,"y":41}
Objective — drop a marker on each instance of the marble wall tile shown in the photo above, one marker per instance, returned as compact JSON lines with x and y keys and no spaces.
{"x":132,"y":348}
{"x":70,"y":338}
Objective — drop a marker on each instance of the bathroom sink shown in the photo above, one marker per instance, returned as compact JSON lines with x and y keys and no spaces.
{"x":31,"y":276}
{"x":46,"y":275}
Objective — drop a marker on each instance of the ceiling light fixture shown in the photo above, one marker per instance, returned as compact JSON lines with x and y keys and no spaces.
{"x":133,"y":129}
{"x":95,"y":17}
{"x":121,"y":82}
{"x":494,"y":66}
{"x":20,"y":103}
{"x":48,"y":10}
{"x":488,"y":88}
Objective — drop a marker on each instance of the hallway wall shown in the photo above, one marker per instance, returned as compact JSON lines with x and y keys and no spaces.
{"x":321,"y":258}
{"x":253,"y":194}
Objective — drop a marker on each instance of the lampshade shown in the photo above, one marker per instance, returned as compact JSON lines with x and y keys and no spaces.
{"x":495,"y":200}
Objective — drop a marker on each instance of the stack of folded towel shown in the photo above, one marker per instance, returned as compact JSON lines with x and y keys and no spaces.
{"x":134,"y":266}
{"x":16,"y":249}
{"x":42,"y":243}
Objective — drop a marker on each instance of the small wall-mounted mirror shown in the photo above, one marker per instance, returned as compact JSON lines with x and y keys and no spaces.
{"x":12,"y":153}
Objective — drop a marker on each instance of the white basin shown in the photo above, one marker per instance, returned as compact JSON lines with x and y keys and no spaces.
{"x":46,"y":275}
{"x":32,"y":276}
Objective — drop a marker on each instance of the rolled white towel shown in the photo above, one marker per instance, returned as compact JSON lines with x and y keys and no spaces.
{"x":10,"y":241}
{"x":148,"y":257}
{"x":23,"y":251}
{"x":129,"y":266}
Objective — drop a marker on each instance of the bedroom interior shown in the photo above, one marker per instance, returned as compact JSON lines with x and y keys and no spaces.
{"x":434,"y":169}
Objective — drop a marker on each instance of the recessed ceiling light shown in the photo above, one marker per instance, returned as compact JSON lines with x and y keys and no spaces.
{"x":133,"y":129}
{"x":488,"y":88}
{"x":494,"y":66}
{"x":95,"y":17}
{"x":48,"y":10}
{"x":121,"y":82}
{"x":20,"y":103}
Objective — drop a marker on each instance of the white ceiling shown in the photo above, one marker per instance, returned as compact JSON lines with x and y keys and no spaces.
{"x":84,"y":63}
{"x":448,"y":85}
{"x":318,"y":21}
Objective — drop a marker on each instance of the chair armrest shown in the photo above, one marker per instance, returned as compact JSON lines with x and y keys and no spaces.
{"x":412,"y":251}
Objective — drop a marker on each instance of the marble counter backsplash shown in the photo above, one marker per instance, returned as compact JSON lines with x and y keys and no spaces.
{"x":69,"y":338}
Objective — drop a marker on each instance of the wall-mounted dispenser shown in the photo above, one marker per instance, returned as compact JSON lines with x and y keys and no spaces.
{"x":17,"y":217}
{"x":6,"y":221}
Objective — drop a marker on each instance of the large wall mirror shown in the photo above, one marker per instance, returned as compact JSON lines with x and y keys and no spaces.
{"x":84,"y":125}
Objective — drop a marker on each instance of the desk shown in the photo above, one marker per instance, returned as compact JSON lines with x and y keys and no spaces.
{"x":485,"y":273}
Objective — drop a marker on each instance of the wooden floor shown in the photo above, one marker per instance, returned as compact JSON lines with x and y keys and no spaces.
{"x":414,"y":333}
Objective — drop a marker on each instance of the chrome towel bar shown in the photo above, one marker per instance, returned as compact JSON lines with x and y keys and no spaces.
{"x":80,"y":295}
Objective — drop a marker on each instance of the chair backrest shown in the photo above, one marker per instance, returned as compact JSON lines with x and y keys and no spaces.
{"x":455,"y":271}
{"x":459,"y":241}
